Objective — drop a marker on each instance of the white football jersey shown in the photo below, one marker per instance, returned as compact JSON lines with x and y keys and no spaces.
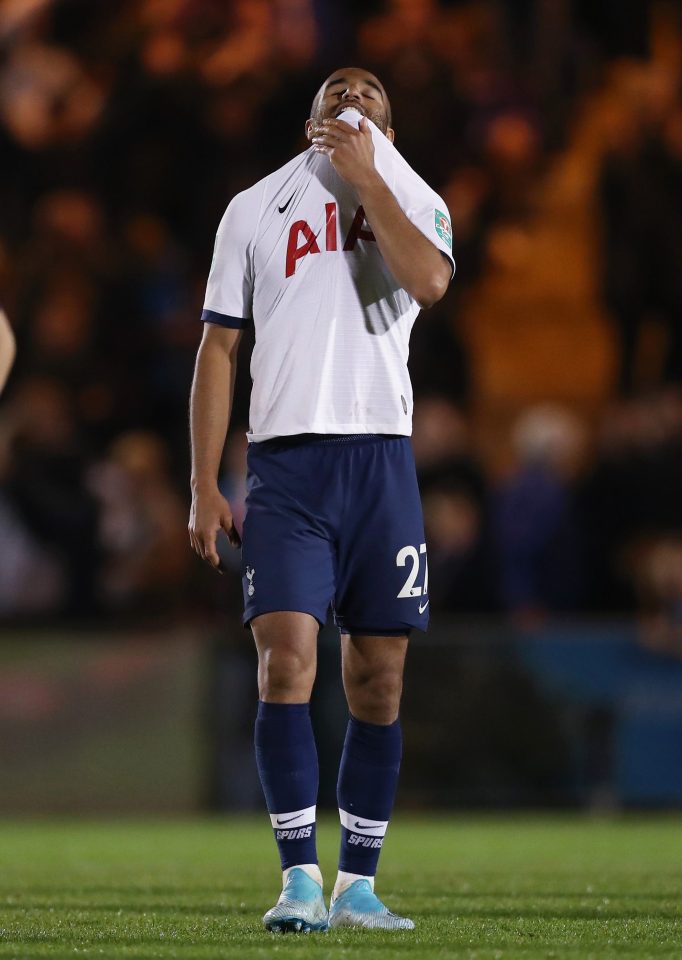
{"x":295,"y":254}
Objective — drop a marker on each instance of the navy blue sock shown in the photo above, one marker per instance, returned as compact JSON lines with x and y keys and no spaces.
{"x":368,"y":778}
{"x":287,"y":763}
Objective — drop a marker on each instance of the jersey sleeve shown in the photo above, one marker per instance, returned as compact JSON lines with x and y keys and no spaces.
{"x":421,"y":204}
{"x":229,"y":291}
{"x":432,"y":218}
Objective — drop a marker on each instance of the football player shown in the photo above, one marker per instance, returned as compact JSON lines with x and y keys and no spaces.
{"x":331,"y":257}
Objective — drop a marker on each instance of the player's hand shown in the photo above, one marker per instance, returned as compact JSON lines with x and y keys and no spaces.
{"x":350,"y":151}
{"x":209,"y":513}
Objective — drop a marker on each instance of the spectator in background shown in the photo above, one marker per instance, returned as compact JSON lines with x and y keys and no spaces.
{"x":658,"y":581}
{"x":640,"y":191}
{"x":462,"y":574}
{"x":141,"y":526}
{"x":44,"y":468}
{"x":536,"y":522}
{"x":403,"y":44}
{"x":631,"y":494}
{"x":442,"y":446}
{"x":74,"y":321}
{"x":156,"y":273}
{"x":47,"y":98}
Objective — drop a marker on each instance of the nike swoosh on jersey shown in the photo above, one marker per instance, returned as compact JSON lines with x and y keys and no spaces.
{"x":282,"y":209}
{"x":423,"y":608}
{"x":281,"y":823}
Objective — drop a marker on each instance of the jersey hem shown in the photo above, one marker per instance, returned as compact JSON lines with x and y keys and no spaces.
{"x":335,"y":428}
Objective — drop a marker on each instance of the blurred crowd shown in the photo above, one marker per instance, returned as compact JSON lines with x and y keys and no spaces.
{"x":583,"y":521}
{"x":124,"y":131}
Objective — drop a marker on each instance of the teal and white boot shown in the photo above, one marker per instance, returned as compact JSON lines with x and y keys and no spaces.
{"x":359,"y":906}
{"x":300,"y":908}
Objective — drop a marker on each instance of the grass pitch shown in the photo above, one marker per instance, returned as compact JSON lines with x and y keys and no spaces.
{"x":480,"y":889}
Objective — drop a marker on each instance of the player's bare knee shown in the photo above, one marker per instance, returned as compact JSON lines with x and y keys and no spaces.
{"x":375,"y":697}
{"x":285,"y":674}
{"x":385,"y":692}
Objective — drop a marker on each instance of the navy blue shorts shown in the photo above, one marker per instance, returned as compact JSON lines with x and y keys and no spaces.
{"x":336,"y":521}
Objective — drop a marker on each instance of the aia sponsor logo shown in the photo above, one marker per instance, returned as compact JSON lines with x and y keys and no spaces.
{"x":302,"y":239}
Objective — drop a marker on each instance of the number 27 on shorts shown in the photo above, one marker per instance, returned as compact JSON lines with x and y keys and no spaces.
{"x":410,"y":555}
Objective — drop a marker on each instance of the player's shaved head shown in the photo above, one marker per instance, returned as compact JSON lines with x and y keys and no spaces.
{"x":357,"y":87}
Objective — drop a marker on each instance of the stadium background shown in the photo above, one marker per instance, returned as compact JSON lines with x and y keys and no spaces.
{"x":548,"y":421}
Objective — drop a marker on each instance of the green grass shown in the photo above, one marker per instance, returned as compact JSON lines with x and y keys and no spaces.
{"x":480,"y":889}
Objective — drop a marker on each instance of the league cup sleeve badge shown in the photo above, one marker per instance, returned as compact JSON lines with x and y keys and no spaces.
{"x":443,"y":228}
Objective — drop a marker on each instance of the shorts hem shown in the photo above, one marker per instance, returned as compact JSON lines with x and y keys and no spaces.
{"x":248,"y":616}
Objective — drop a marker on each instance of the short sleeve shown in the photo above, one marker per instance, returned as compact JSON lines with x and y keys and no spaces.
{"x":421,"y":204}
{"x":432,"y":218}
{"x":229,"y":291}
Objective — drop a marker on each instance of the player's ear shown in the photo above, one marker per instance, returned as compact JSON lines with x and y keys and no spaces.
{"x":390,"y":134}
{"x":309,"y":128}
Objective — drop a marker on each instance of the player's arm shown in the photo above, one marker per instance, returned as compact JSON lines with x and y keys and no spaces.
{"x":415,"y":262}
{"x":8,"y":349}
{"x":209,"y":416}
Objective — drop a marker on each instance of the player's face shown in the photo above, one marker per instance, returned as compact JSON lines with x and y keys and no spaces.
{"x":352,"y":87}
